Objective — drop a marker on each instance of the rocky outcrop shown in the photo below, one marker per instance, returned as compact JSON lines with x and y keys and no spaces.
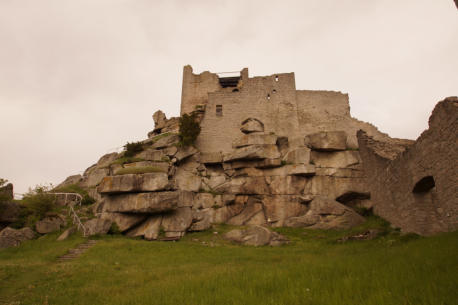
{"x":97,"y":226}
{"x":415,"y":187}
{"x":328,"y":141}
{"x":325,"y":213}
{"x":11,"y":237}
{"x":50,"y":224}
{"x":256,"y":236}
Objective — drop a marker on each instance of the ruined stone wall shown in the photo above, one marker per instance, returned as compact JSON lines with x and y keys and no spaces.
{"x":270,"y":99}
{"x":330,"y":110}
{"x":196,"y":88}
{"x":393,"y":177}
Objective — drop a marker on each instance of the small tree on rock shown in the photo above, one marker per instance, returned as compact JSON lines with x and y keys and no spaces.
{"x":189,"y":129}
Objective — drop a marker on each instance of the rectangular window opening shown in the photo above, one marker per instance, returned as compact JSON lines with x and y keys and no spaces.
{"x":219,"y":110}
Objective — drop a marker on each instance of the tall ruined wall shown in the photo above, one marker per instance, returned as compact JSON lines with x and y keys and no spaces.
{"x":270,"y":99}
{"x":330,"y":110}
{"x":195,"y":89}
{"x":417,"y":190}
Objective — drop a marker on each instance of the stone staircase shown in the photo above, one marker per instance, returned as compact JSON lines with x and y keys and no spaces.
{"x":77,"y":251}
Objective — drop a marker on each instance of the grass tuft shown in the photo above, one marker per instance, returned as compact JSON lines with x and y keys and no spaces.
{"x":138,"y":170}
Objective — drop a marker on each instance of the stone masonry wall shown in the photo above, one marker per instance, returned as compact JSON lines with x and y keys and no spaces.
{"x":401,"y":185}
{"x":270,"y":99}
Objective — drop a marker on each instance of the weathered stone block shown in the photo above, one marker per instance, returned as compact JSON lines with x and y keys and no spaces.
{"x":151,"y":155}
{"x":124,"y":221}
{"x":328,"y":141}
{"x":325,"y":213}
{"x":149,"y":229}
{"x":149,"y":182}
{"x":337,"y":159}
{"x":255,"y":139}
{"x":253,"y":152}
{"x":158,"y":202}
{"x":298,"y":156}
{"x":211,"y":157}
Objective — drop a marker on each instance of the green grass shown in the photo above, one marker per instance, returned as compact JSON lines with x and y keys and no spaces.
{"x":125,"y":160}
{"x":138,"y":170}
{"x":204,"y":269}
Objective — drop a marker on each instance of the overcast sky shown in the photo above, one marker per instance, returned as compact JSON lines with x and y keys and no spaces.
{"x":79,"y":78}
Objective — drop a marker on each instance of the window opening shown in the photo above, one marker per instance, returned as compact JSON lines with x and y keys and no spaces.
{"x":268,"y":96}
{"x":274,"y":91}
{"x":235,"y":90}
{"x":424,"y":185}
{"x":219,"y":110}
{"x":276,"y":78}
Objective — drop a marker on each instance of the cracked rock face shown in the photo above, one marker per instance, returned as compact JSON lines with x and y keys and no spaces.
{"x":265,"y":180}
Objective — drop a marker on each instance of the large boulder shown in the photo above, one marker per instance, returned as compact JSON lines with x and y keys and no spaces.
{"x":9,"y":212}
{"x":256,"y":236}
{"x":176,"y":223}
{"x":166,"y":141}
{"x":97,"y":226}
{"x":149,"y":229}
{"x":298,"y":156}
{"x":134,"y":183}
{"x":328,"y":140}
{"x":253,"y":152}
{"x":325,"y":213}
{"x":337,"y":159}
{"x":158,"y":202}
{"x":252,"y":214}
{"x":49,"y":224}
{"x":11,"y":237}
{"x":278,"y":208}
{"x":124,"y":221}
{"x":159,"y":119}
{"x":94,"y":176}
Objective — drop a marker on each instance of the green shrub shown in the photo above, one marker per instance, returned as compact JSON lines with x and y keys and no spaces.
{"x":75,"y":188}
{"x":3,"y":182}
{"x":189,"y":129}
{"x":138,"y":170}
{"x":34,"y":206}
{"x":133,"y":148}
{"x":114,"y":229}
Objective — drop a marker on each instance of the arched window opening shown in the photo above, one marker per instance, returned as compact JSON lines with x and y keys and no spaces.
{"x":235,"y":90}
{"x":276,"y":78}
{"x":274,"y":91}
{"x":268,"y":96}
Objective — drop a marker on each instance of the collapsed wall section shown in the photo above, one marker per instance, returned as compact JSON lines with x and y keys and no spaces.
{"x":416,"y":190}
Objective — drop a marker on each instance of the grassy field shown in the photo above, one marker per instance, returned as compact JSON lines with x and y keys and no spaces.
{"x":204,"y":269}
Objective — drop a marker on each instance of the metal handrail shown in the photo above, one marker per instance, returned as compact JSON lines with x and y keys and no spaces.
{"x":76,"y":220}
{"x":66,"y":196}
{"x":71,"y":211}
